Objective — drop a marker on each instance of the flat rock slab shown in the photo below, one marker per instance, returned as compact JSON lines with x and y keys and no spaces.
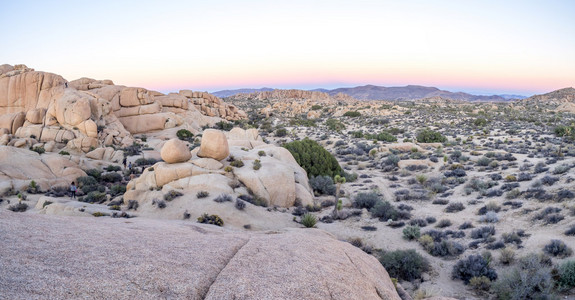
{"x":58,"y":257}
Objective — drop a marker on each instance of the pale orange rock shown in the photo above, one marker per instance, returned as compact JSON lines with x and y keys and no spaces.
{"x":175,"y":151}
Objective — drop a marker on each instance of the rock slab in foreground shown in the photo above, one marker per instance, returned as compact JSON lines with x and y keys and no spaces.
{"x":53,"y":257}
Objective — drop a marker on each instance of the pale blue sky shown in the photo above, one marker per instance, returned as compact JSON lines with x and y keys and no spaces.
{"x":488,"y":46}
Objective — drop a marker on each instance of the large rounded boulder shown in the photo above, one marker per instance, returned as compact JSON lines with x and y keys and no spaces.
{"x":214,"y":145}
{"x":175,"y":151}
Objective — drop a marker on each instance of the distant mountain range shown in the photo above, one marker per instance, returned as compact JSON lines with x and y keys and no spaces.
{"x":374,"y":92}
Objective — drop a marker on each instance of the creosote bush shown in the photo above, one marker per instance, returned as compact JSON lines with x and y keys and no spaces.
{"x":557,"y":248}
{"x":404,"y":264}
{"x":171,"y":195}
{"x":529,"y":279}
{"x":322,"y":185}
{"x":223,"y":198}
{"x":411,"y":233}
{"x":211,"y":219}
{"x":202,"y":194}
{"x":473,"y":266}
{"x":366,"y":200}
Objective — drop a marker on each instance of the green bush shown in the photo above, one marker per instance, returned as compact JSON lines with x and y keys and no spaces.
{"x":113,"y":168}
{"x":313,"y":158}
{"x":383,"y":136}
{"x":316,"y":107}
{"x":530,"y":279}
{"x":257,"y":164}
{"x":18,"y":207}
{"x":111,"y":177}
{"x":334,"y":125}
{"x":366,"y":200}
{"x":322,"y":185}
{"x":64,"y":152}
{"x":430,"y":136}
{"x":308,"y":220}
{"x":118,"y":189}
{"x":261,"y":153}
{"x":39,"y":150}
{"x":411,"y":232}
{"x":202,"y":194}
{"x":281,"y":132}
{"x":352,"y":114}
{"x":480,"y":122}
{"x":95,"y":197}
{"x":94,"y":173}
{"x":211,"y":219}
{"x":185,"y":135}
{"x":171,"y":195}
{"x":473,"y":266}
{"x":567,"y":274}
{"x":237,"y":163}
{"x":404,"y":264}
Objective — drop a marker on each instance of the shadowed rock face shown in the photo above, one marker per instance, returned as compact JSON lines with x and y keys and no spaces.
{"x":137,"y":259}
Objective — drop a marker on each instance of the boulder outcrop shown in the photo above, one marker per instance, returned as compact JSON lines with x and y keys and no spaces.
{"x":291,"y":264}
{"x":175,"y":151}
{"x":214,"y":145}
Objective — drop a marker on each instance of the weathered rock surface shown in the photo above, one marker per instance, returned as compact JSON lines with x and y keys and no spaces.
{"x":89,"y":113}
{"x":294,"y":264}
{"x":175,"y":151}
{"x":20,"y":166}
{"x":214,"y":145}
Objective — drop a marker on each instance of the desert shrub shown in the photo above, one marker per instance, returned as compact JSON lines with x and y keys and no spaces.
{"x":18,"y":207}
{"x":211,"y":219}
{"x":496,"y":245}
{"x":117,"y":189}
{"x":540,"y":167}
{"x":64,"y":152}
{"x":440,"y":201}
{"x":111,"y":177}
{"x":567,"y":274}
{"x":547,"y":211}
{"x":404,"y":206}
{"x":411,"y":233}
{"x":352,"y":114}
{"x":483,"y":161}
{"x":237,"y":163}
{"x":223,"y":198}
{"x":529,"y":279}
{"x":86,"y":181}
{"x":186,"y":215}
{"x":510,"y":178}
{"x":512,"y":237}
{"x":255,"y":200}
{"x":385,"y":211}
{"x":565,"y":194}
{"x":159,"y":203}
{"x":322,"y":185}
{"x":507,"y":256}
{"x":171,"y":195}
{"x":366,"y":200}
{"x":404,"y":264}
{"x":222,"y":125}
{"x":466,"y":225}
{"x":443,"y":223}
{"x":430,"y":136}
{"x":185,"y":135}
{"x":257,"y":164}
{"x":430,"y":219}
{"x":334,"y":125}
{"x":112,"y":168}
{"x":39,"y":150}
{"x":313,"y":158}
{"x":100,"y":214}
{"x":145,"y":162}
{"x":133,"y":204}
{"x":240,"y":204}
{"x":483,"y":232}
{"x":454,"y":207}
{"x":570,"y":231}
{"x":308,"y":220}
{"x":202,"y":194}
{"x":392,"y":160}
{"x":418,"y":222}
{"x":281,"y":132}
{"x":489,"y":217}
{"x":446,"y":248}
{"x":557,"y":248}
{"x":473,"y":266}
{"x":95,"y":197}
{"x":549,"y":180}
{"x":553,"y":219}
{"x":94,"y":173}
{"x":561,"y":169}
{"x":480,"y":284}
{"x":261,"y":153}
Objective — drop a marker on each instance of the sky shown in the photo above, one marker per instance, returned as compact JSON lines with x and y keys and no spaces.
{"x":482,"y":47}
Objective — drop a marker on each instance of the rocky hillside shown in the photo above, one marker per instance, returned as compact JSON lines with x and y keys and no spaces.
{"x":292,"y":95}
{"x":562,"y":100}
{"x":410,"y":92}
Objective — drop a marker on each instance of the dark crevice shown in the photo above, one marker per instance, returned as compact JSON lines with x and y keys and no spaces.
{"x":226,"y":264}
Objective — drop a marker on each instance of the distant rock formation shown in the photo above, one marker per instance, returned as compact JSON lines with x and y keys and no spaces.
{"x":562,"y":100}
{"x":293,"y":95}
{"x":87,"y":113}
{"x":410,"y":92}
